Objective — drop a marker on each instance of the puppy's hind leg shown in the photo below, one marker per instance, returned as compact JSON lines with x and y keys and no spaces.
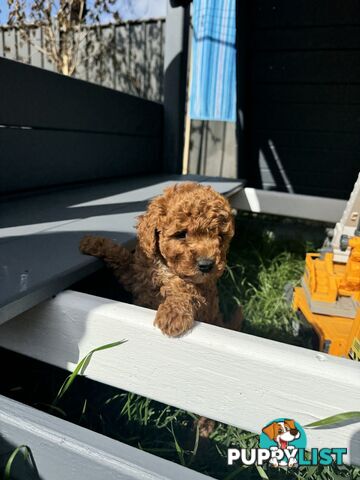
{"x":117,"y":257}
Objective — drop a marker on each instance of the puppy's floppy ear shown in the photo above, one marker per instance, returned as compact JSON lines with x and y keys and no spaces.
{"x":290,"y":424}
{"x":271,"y":430}
{"x":149,"y":224}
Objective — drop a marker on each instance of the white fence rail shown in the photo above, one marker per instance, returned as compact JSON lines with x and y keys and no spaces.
{"x":231,"y":377}
{"x":62,"y":450}
{"x":321,"y":209}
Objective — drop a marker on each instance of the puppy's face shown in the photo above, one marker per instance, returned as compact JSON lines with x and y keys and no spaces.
{"x":193,"y":229}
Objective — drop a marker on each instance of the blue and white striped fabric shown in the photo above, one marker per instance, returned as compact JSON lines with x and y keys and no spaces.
{"x":213,"y":85}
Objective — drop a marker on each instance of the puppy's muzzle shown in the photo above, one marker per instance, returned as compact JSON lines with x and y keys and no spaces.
{"x":205,"y":265}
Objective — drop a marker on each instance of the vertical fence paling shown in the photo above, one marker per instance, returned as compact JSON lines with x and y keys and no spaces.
{"x":115,"y":59}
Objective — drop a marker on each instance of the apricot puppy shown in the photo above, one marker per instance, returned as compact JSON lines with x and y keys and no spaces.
{"x":183,"y":239}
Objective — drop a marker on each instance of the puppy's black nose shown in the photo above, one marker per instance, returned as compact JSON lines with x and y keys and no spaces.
{"x":205,"y":265}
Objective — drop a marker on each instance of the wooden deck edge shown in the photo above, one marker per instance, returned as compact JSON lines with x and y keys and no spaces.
{"x":231,"y":377}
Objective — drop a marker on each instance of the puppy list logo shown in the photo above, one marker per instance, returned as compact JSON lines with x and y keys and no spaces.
{"x":283,"y":443}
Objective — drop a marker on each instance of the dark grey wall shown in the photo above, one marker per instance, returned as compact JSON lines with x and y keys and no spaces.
{"x":57,"y":130}
{"x":305,"y":93}
{"x":300,"y":100}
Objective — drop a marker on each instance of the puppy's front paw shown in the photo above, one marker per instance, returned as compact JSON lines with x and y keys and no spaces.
{"x":173,"y":318}
{"x":94,"y":246}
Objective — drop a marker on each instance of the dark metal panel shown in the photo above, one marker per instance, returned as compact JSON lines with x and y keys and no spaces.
{"x":307,"y":66}
{"x":62,"y":450}
{"x":302,"y":178}
{"x":306,"y":96}
{"x":308,"y":93}
{"x":339,"y":37}
{"x":310,"y":162}
{"x":282,"y":13}
{"x":338,"y":143}
{"x":320,"y":118}
{"x":40,"y":158}
{"x":30,"y":96}
{"x":323,"y":164}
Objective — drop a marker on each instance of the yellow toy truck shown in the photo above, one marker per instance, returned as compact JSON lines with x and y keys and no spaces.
{"x":329,"y":295}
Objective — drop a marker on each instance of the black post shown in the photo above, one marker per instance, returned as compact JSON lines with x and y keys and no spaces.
{"x":247,"y":162}
{"x":175,"y":76}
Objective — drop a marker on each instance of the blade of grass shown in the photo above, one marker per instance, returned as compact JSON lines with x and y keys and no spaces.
{"x":27,"y":453}
{"x":179,"y":450}
{"x":340,"y":417}
{"x":83,"y":411}
{"x":196,"y":444}
{"x":165,"y":411}
{"x":114,"y":397}
{"x":310,"y":471}
{"x":356,"y":473}
{"x":127,"y":406}
{"x":81,"y":367}
{"x":262,"y":472}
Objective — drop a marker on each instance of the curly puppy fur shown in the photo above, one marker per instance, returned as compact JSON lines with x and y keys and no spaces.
{"x":183,"y":239}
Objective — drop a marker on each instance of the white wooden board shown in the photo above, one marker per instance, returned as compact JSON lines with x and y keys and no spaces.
{"x":231,"y":377}
{"x":62,"y":450}
{"x":290,"y":205}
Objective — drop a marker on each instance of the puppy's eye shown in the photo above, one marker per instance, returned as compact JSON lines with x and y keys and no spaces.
{"x":180,"y":235}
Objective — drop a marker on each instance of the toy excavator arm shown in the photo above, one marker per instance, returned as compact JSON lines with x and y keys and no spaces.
{"x":349,"y":224}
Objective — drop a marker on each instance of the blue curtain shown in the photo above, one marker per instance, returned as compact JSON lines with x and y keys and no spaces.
{"x":213,"y":85}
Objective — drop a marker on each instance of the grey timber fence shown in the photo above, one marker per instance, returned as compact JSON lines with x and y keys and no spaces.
{"x":125,"y":56}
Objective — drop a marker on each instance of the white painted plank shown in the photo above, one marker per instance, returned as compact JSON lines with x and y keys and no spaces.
{"x":228,"y":376}
{"x":63,"y":450}
{"x":291,"y":205}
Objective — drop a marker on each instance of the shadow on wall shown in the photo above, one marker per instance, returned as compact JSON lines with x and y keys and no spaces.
{"x":275,"y":164}
{"x":128,"y":57}
{"x":313,"y":168}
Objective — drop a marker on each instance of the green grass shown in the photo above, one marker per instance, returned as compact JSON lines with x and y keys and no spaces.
{"x":20,"y":460}
{"x":266,"y":254}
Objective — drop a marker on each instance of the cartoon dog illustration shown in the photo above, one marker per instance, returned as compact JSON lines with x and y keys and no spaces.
{"x":282,"y":433}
